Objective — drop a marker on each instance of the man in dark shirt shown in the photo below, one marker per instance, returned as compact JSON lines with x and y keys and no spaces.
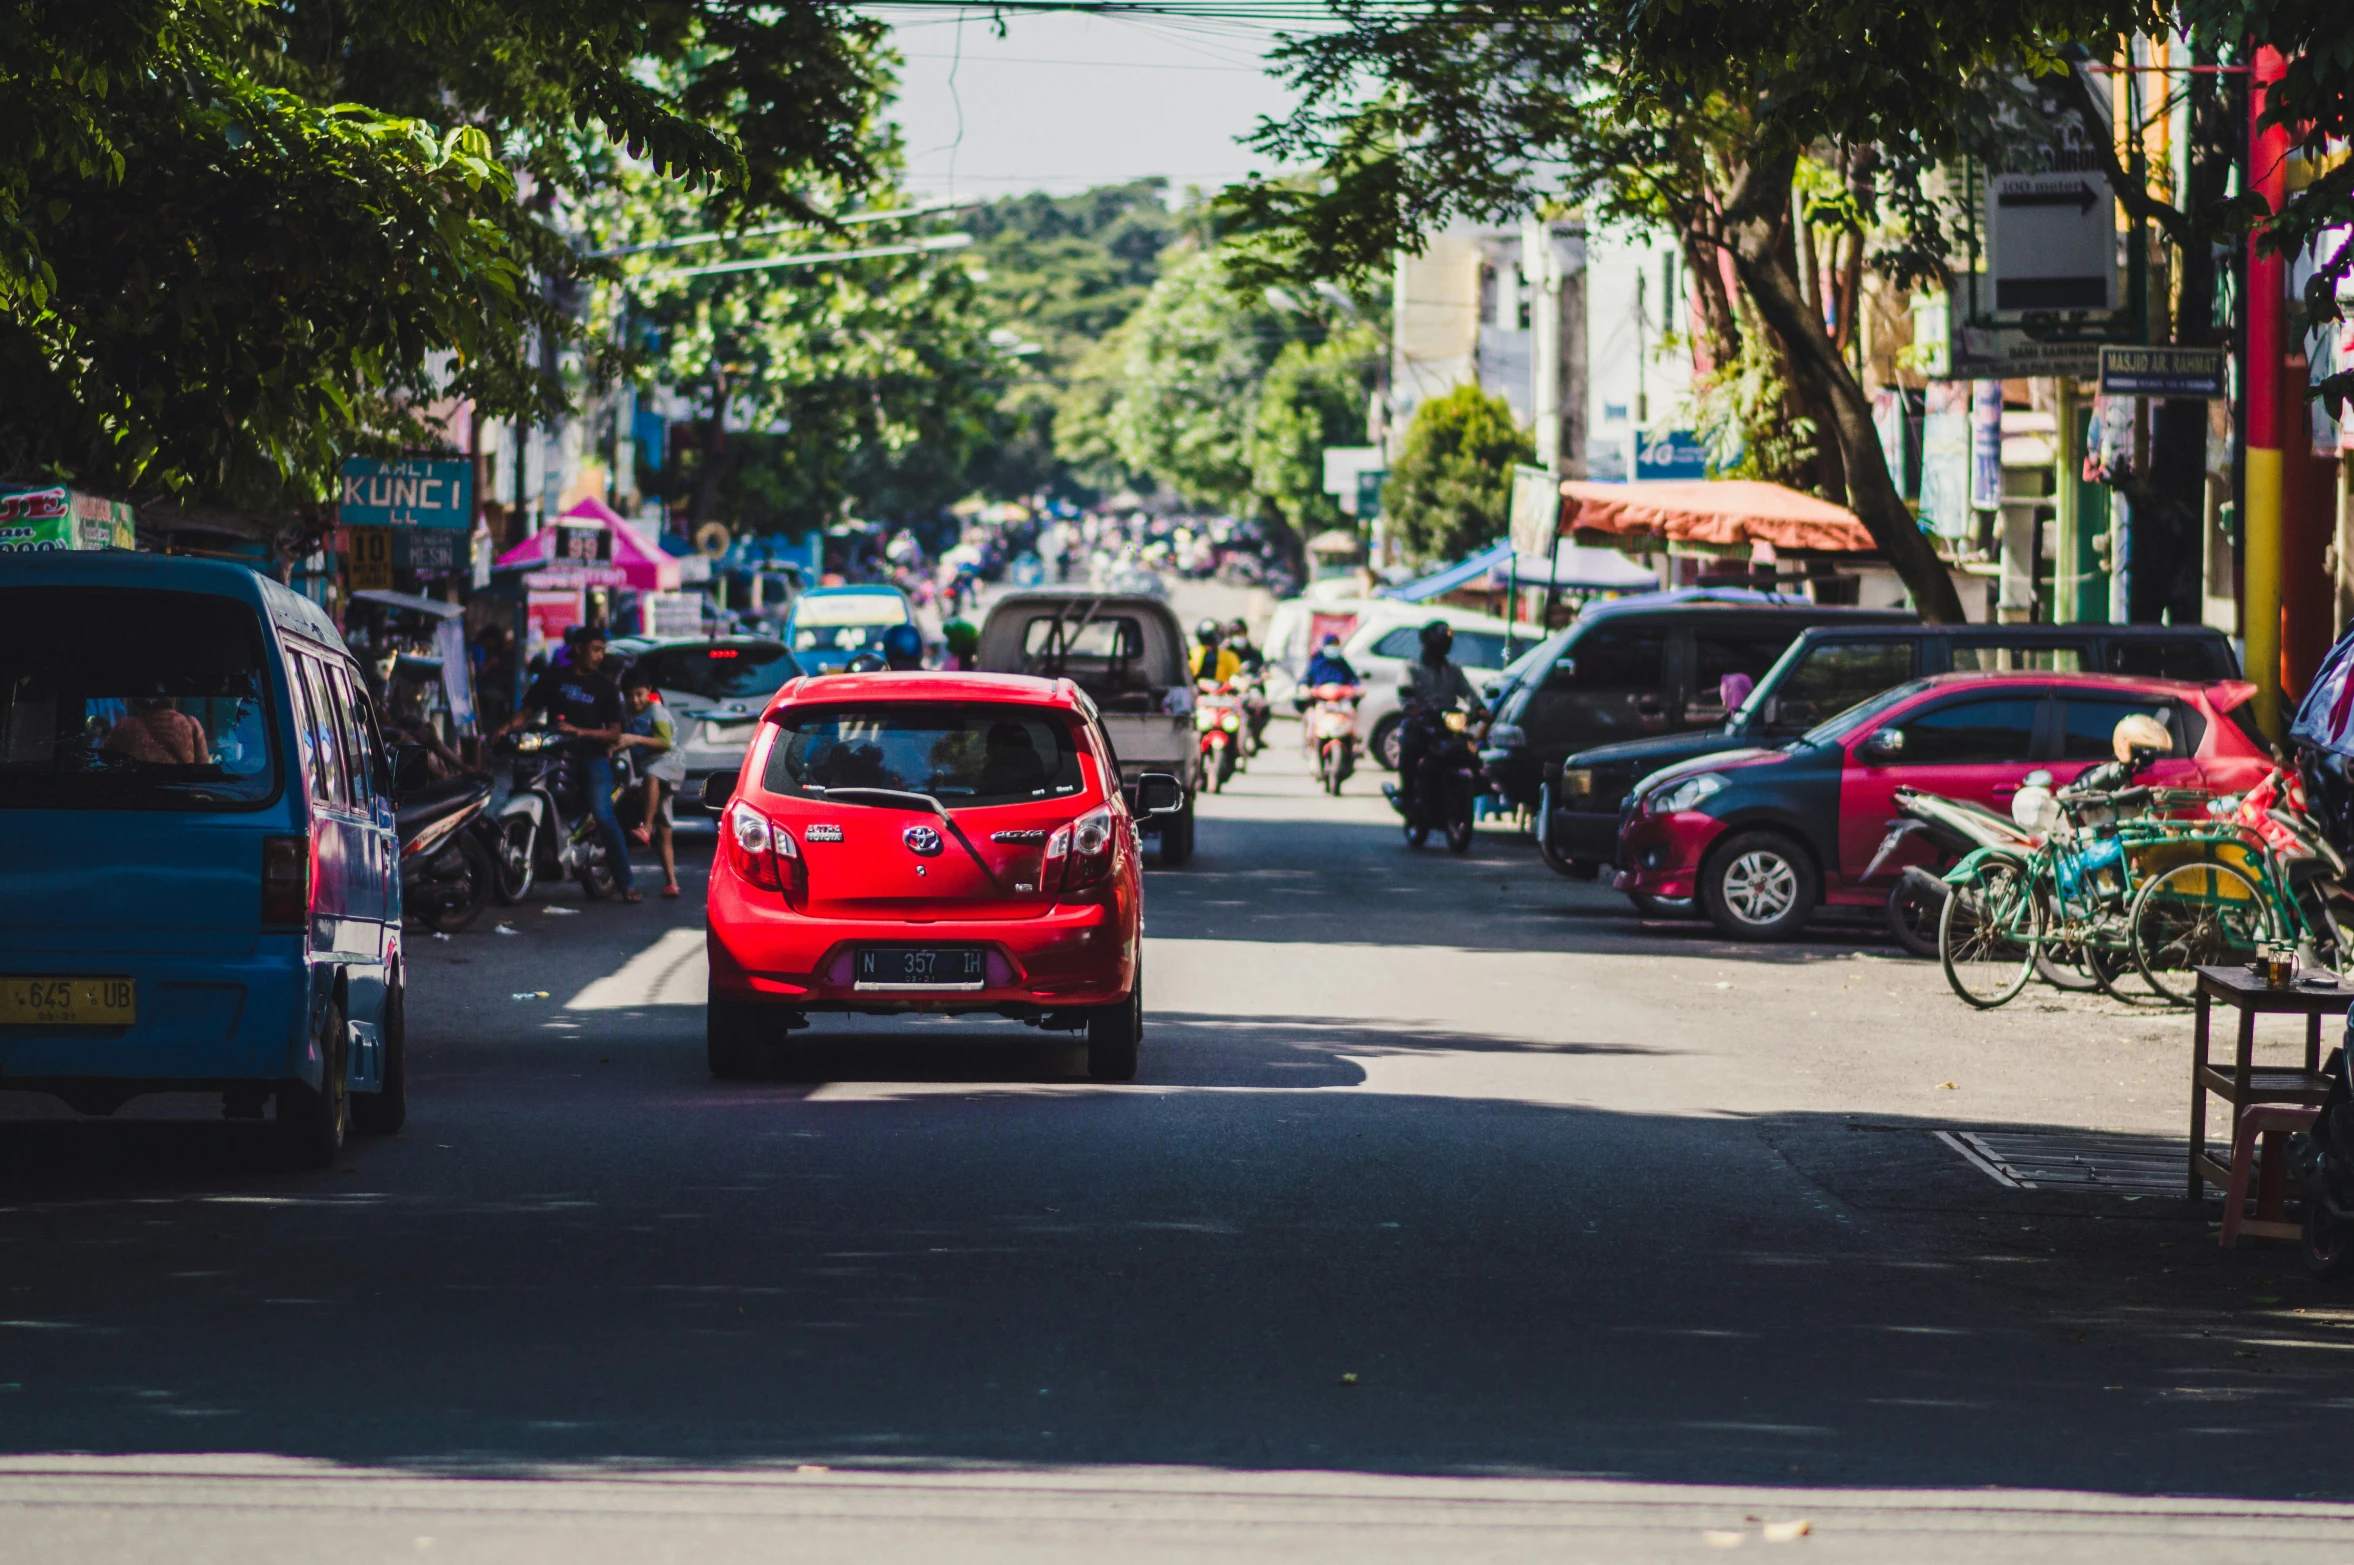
{"x":585,"y":706}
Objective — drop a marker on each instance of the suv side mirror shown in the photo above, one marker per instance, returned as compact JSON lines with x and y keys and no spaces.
{"x":1158,"y":793}
{"x":410,"y":765}
{"x":718,"y":788}
{"x":1882,"y":744}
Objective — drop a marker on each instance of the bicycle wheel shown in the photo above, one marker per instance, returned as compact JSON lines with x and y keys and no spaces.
{"x":2193,"y":916}
{"x":1988,"y":935}
{"x":2061,"y":959}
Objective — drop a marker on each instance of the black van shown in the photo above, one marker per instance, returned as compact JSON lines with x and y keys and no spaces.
{"x":1831,"y":668}
{"x":1633,"y":668}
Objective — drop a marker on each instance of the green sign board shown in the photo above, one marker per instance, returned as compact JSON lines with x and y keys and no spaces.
{"x":43,"y":519}
{"x":418,"y":493}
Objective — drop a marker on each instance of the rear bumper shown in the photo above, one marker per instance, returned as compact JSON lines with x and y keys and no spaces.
{"x":1076,"y":954}
{"x":202,"y":1020}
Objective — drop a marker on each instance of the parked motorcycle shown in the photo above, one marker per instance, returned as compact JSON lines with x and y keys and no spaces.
{"x":1330,"y":728}
{"x":1954,"y":829}
{"x":1443,"y":793}
{"x":1218,"y":727}
{"x":447,"y":875}
{"x":562,"y":838}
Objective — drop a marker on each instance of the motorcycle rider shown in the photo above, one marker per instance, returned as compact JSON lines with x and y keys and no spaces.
{"x":1213,"y":664}
{"x":1257,"y":710}
{"x":1327,"y":666}
{"x":964,"y":644}
{"x":903,"y":649}
{"x":1433,"y":684}
{"x":586,"y":708}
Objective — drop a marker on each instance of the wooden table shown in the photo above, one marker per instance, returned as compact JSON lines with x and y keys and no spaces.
{"x":2243,"y":1082}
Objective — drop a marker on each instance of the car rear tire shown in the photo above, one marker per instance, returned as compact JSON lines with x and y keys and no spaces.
{"x":1177,"y":836}
{"x":313,"y":1121}
{"x":732,"y":1032}
{"x":1386,"y":738}
{"x":1758,"y":886}
{"x":1115,"y":1036}
{"x":385,"y":1110}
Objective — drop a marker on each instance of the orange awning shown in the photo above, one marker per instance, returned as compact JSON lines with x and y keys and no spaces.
{"x":1722,"y":511}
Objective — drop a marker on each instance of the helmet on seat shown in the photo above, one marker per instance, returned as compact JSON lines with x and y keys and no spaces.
{"x":903,"y":647}
{"x":2139,"y":731}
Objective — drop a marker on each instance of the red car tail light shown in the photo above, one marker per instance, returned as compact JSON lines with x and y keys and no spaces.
{"x":755,"y":844}
{"x":1089,"y":848}
{"x":286,"y":881}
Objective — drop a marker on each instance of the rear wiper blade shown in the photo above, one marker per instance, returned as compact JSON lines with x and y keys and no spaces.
{"x":915,"y":801}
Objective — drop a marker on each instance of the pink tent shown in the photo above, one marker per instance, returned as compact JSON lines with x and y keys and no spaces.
{"x":636,"y":563}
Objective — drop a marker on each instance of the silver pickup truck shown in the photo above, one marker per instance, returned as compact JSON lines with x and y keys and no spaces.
{"x":1127,"y":653}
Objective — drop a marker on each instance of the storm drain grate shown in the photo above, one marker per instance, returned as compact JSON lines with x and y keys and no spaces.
{"x":2081,"y":1161}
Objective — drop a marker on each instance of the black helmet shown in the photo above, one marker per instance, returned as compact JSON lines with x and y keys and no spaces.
{"x":1208,"y":632}
{"x":903,"y":647}
{"x":1437,"y":637}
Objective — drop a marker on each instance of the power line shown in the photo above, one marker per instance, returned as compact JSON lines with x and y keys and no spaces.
{"x":771,"y":230}
{"x":811,"y":258}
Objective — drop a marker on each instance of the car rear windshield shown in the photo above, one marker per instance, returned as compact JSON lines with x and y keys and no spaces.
{"x":963,"y":754}
{"x":718,"y":673}
{"x":115,"y":699}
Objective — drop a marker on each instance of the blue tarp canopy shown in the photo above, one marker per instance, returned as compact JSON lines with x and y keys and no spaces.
{"x":1604,"y":570}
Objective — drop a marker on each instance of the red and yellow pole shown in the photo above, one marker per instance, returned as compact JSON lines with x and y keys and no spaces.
{"x":2260,"y":493}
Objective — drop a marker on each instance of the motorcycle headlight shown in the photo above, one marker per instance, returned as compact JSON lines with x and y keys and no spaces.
{"x":1456,"y":722}
{"x":1688,"y":793}
{"x":1228,"y":721}
{"x":1577,"y":781}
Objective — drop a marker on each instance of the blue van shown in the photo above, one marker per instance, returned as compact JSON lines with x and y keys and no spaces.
{"x":199,"y":874}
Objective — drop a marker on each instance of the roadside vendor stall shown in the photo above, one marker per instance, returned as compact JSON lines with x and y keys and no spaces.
{"x":1729,"y":529}
{"x":589,"y":566}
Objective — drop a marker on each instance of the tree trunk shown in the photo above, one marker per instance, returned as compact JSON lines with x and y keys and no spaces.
{"x":1717,"y":317}
{"x":1756,"y":217}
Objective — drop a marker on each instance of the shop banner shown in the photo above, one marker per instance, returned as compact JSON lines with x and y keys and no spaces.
{"x":41,"y":520}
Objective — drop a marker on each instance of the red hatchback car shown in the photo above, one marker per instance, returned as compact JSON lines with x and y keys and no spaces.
{"x":1761,"y":838}
{"x":929,"y":843}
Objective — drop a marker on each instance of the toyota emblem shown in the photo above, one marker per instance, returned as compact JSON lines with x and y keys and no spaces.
{"x":921,"y":839}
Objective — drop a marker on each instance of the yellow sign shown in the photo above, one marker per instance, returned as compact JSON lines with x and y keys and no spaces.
{"x":368,"y":560}
{"x":68,"y":1002}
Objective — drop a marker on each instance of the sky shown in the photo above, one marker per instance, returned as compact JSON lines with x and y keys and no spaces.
{"x":1066,"y":101}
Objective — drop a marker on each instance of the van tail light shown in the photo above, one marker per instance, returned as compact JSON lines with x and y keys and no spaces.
{"x":1090,"y":848}
{"x":286,"y":881}
{"x":755,"y":844}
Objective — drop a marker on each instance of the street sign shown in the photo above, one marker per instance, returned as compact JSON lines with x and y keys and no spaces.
{"x":2008,"y":353}
{"x":415,"y":493}
{"x":368,"y":559}
{"x":2051,"y":242}
{"x":1369,"y":482}
{"x":2162,"y":372}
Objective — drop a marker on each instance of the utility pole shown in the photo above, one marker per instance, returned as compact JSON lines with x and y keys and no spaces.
{"x":2264,"y":350}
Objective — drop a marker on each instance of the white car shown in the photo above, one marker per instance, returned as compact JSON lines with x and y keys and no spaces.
{"x":1389,"y":639}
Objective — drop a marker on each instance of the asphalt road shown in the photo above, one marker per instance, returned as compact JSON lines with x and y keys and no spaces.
{"x":1455,"y":1213}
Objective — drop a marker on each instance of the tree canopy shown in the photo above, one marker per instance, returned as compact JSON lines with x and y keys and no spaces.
{"x":238,"y":241}
{"x":1697,"y":113}
{"x":1449,"y":493}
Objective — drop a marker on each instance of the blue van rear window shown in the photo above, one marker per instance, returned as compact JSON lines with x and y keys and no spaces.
{"x":132,"y":700}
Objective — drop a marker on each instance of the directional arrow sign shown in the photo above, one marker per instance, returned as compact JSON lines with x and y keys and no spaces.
{"x":2051,"y":242}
